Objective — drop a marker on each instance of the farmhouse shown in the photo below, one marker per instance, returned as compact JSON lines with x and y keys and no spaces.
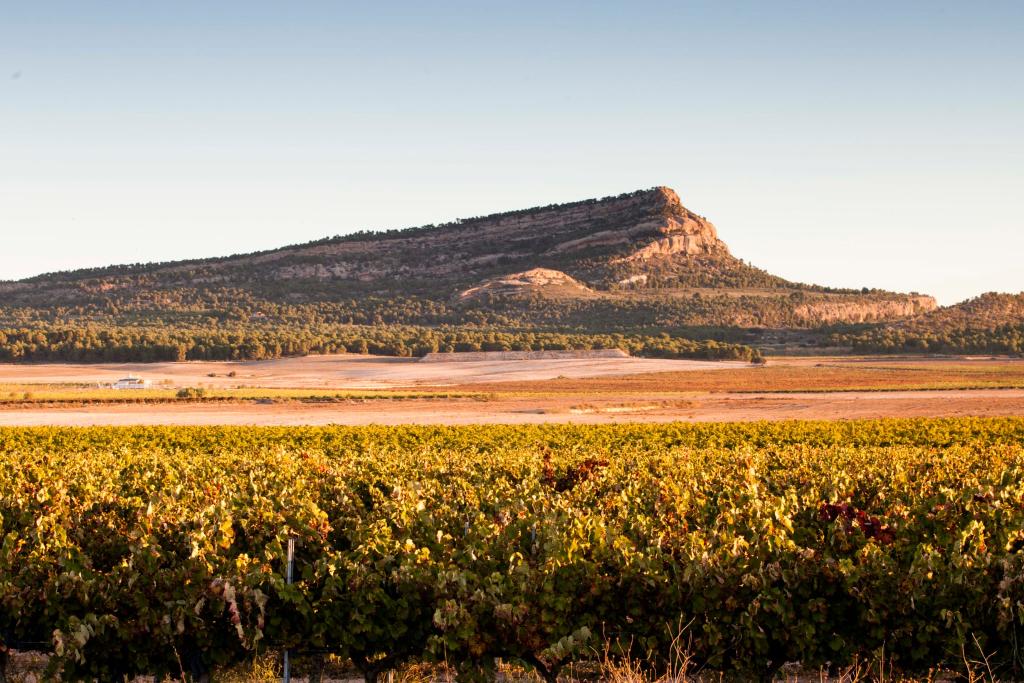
{"x":130,"y":382}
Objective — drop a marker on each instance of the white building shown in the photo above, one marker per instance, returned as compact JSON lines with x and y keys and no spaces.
{"x":130,"y":382}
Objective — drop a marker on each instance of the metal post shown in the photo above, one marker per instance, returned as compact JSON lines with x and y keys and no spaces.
{"x":289,"y":572}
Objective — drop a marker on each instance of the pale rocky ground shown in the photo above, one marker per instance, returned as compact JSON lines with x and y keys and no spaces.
{"x":345,"y":371}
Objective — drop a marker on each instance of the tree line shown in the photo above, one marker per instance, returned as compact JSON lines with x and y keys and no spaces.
{"x":1002,"y":340}
{"x":153,"y":344}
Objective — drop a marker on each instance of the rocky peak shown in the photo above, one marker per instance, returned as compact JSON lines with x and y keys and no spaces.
{"x":666,"y":195}
{"x":658,"y":226}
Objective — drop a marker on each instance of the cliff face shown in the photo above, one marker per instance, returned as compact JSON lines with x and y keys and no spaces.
{"x":656,"y":224}
{"x":852,"y":311}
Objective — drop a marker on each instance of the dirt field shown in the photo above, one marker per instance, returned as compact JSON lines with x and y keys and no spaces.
{"x":524,"y":410}
{"x":583,"y":391}
{"x":794,"y":374}
{"x":345,"y":371}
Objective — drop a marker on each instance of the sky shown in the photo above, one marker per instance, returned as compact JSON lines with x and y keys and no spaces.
{"x":858,"y":144}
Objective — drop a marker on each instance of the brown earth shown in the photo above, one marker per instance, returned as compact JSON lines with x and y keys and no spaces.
{"x":793,"y":374}
{"x":346,"y":371}
{"x":531,"y":410}
{"x":599,"y":390}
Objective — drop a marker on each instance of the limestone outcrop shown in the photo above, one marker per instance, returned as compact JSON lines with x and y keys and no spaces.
{"x":540,"y":281}
{"x":831,"y":310}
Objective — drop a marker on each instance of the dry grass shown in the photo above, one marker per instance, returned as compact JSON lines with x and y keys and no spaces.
{"x":264,"y":669}
{"x":58,"y":394}
{"x":827,"y":376}
{"x":27,"y":668}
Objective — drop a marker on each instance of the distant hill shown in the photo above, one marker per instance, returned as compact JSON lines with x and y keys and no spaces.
{"x":992,"y":323}
{"x":638,"y":265}
{"x":982,"y":312}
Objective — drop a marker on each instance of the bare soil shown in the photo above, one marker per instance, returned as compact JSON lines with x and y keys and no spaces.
{"x":794,"y":374}
{"x":541,"y":409}
{"x":590,"y":391}
{"x":345,"y":371}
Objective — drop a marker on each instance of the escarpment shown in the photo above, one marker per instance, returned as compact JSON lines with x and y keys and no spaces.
{"x":851,"y":311}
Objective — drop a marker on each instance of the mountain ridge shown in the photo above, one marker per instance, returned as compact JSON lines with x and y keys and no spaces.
{"x":356,"y":236}
{"x":642,"y":240}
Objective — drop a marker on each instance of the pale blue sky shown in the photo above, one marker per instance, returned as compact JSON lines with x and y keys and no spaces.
{"x":841,"y":143}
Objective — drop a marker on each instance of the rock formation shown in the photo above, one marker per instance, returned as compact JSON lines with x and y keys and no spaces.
{"x":539,"y":281}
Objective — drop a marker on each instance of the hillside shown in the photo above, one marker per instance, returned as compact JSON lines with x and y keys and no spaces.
{"x":639,"y":264}
{"x":983,"y":312}
{"x":604,"y":242}
{"x":637,"y":241}
{"x":992,"y":323}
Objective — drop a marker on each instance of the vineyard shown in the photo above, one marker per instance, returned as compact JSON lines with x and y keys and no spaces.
{"x":746,"y":547}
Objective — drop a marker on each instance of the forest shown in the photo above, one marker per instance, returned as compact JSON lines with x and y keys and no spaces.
{"x":233,"y":323}
{"x":262,"y":342}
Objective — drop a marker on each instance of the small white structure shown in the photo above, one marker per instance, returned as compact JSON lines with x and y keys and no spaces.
{"x":130,"y":382}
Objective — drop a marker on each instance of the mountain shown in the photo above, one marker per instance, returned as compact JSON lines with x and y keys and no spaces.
{"x":638,"y":264}
{"x":603,"y":242}
{"x":644,"y":241}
